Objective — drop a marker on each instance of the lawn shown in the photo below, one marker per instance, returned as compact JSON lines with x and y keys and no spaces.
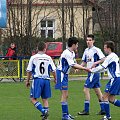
{"x":15,"y":104}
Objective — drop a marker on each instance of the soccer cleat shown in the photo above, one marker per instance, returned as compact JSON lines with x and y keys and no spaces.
{"x":105,"y":118}
{"x":83,"y":113}
{"x":101,"y":113}
{"x":45,"y":115}
{"x":72,"y":117}
{"x":67,"y":117}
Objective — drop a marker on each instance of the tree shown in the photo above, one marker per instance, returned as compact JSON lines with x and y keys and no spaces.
{"x":107,"y":14}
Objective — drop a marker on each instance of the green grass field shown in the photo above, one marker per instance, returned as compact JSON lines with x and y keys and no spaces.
{"x":15,"y":104}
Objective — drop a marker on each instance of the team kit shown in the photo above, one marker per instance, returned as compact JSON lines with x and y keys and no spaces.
{"x":93,"y":61}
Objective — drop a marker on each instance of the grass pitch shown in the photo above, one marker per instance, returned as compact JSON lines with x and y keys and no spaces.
{"x":15,"y":104}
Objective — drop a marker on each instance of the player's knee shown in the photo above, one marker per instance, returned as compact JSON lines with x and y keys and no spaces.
{"x":85,"y":91}
{"x":66,"y":97}
{"x":32,"y":100}
{"x":111,"y":100}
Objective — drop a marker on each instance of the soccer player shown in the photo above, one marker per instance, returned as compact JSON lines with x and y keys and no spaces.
{"x":67,"y":60}
{"x":111,"y":63}
{"x":40,"y":65}
{"x":91,"y":55}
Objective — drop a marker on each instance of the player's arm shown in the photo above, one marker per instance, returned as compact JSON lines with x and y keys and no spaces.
{"x":53,"y":70}
{"x":83,"y":63}
{"x":98,"y":62}
{"x":97,"y":69}
{"x":28,"y":79}
{"x":77,"y":66}
{"x":103,"y":66}
{"x":29,"y":73}
{"x":54,"y":76}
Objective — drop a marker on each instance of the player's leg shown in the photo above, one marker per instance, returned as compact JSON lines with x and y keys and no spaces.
{"x":88,"y":84}
{"x":115,"y":90}
{"x":46,"y":108}
{"x":64,"y":104}
{"x":106,"y":106}
{"x":112,"y":89}
{"x":86,"y":102}
{"x":36,"y":89}
{"x":37,"y":104}
{"x":46,"y":93}
{"x":46,"y":104}
{"x":100,"y":98}
{"x":114,"y":101}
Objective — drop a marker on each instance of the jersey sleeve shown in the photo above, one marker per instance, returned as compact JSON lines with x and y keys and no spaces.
{"x":84,"y":57}
{"x":53,"y":67}
{"x":100,"y":54}
{"x":106,"y":62}
{"x":71,"y":60}
{"x":30,"y":64}
{"x":97,"y":69}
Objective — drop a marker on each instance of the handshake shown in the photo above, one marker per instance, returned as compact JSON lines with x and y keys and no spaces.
{"x":87,"y":69}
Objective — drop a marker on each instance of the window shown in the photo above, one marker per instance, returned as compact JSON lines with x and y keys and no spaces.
{"x":52,"y":46}
{"x":47,"y":28}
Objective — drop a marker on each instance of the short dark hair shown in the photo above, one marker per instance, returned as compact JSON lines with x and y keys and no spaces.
{"x":71,"y":41}
{"x":91,"y":36}
{"x":41,"y":46}
{"x":110,"y":44}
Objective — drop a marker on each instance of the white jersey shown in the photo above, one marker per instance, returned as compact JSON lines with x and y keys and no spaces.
{"x":112,"y":64}
{"x":92,"y":55}
{"x":67,"y":60}
{"x":40,"y":65}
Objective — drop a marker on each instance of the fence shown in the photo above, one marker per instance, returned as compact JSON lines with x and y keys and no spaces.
{"x":16,"y":69}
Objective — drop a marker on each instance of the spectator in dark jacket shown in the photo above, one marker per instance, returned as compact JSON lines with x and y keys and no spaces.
{"x":12,"y":52}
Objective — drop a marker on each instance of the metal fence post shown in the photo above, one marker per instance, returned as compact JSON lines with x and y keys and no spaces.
{"x":20,"y":69}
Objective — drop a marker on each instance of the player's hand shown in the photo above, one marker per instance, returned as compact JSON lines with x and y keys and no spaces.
{"x":27,"y":84}
{"x":55,"y":81}
{"x":87,"y":69}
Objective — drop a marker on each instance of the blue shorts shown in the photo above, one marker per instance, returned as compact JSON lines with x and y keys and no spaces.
{"x":92,"y":81}
{"x":62,"y":80}
{"x":113,"y":86}
{"x":40,"y":88}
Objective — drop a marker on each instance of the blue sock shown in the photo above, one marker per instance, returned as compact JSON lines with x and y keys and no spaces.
{"x":38,"y":105}
{"x":101,"y":105}
{"x":86,"y":105}
{"x":64,"y":108}
{"x":107,"y":108}
{"x":117,"y":103}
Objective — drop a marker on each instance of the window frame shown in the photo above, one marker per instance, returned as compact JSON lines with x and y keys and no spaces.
{"x":46,"y":28}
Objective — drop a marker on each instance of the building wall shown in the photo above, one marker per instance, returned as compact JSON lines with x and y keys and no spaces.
{"x":52,"y":10}
{"x":54,"y":13}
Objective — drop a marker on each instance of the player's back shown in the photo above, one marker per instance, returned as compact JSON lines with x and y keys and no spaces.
{"x":41,"y":65}
{"x":113,"y":66}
